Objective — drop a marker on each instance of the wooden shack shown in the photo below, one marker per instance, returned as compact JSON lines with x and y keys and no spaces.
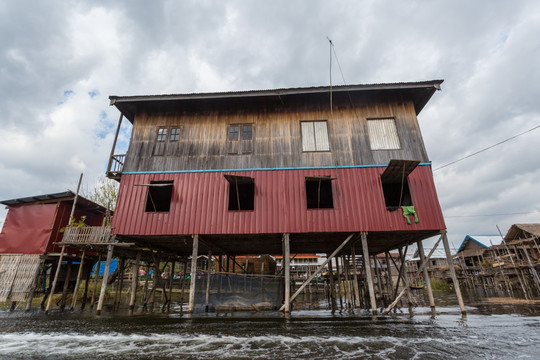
{"x":29,"y":239}
{"x":298,"y":170}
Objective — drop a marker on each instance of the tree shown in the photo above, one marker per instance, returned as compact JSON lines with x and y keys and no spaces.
{"x":105,"y":193}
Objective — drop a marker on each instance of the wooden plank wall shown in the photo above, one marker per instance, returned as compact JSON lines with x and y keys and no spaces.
{"x":276,"y":141}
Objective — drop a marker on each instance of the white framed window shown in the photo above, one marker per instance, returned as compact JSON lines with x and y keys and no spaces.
{"x":383,"y":134}
{"x":315,"y":136}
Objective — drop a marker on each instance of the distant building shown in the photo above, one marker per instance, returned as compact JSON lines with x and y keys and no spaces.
{"x":474,"y":247}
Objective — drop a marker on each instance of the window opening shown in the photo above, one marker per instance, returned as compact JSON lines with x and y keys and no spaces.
{"x":247,"y":132}
{"x":162,"y":134}
{"x":241,"y":192}
{"x":383,"y":134}
{"x":315,"y":136}
{"x":319,"y":192}
{"x":395,"y":183}
{"x":233,"y":132}
{"x":158,"y":196}
{"x":175,"y":134}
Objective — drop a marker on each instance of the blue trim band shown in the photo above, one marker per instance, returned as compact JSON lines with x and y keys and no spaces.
{"x":259,"y":169}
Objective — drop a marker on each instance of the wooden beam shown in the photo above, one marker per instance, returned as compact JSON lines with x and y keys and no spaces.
{"x":369,"y":278}
{"x":452,"y":273}
{"x":194,"y":254}
{"x":286,"y":265}
{"x":134,"y":281}
{"x":55,"y":281}
{"x":427,"y":279}
{"x":78,"y":283}
{"x":105,"y":279}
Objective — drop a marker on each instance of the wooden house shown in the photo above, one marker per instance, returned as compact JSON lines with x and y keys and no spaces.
{"x":34,"y":226}
{"x":298,"y":170}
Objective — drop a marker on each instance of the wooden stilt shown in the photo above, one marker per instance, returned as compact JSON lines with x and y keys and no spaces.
{"x":453,"y":273}
{"x":171,"y":275}
{"x":110,"y":249}
{"x":55,"y":281}
{"x":287,"y":268}
{"x":355,"y":279}
{"x":427,"y":279}
{"x":367,"y":265}
{"x":183,"y":282}
{"x":66,"y":284}
{"x":333,"y":306}
{"x":155,"y":283}
{"x":389,"y":280}
{"x":78,"y":282}
{"x":339,"y":290}
{"x":207,"y":296}
{"x":96,"y":275}
{"x":379,"y":277}
{"x":85,"y":292}
{"x":34,"y":285}
{"x":134,"y":281}
{"x":406,"y":281}
{"x":194,"y":254}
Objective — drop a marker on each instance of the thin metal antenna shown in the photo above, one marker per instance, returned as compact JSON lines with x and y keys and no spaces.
{"x":331,"y":106}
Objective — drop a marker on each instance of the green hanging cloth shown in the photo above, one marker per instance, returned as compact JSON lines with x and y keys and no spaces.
{"x":409,"y":210}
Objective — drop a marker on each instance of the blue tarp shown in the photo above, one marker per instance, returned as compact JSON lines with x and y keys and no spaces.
{"x":114,"y":265}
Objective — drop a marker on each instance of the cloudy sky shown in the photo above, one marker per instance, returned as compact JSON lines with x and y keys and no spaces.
{"x":60,"y":60}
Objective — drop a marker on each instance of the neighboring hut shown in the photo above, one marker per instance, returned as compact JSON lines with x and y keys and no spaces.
{"x":473,"y":248}
{"x":525,"y":239}
{"x":436,"y":267}
{"x":300,"y":170}
{"x":256,"y":264}
{"x":28,"y":241}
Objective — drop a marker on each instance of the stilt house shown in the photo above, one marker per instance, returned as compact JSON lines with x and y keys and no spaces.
{"x":29,"y":238}
{"x":238,"y":172}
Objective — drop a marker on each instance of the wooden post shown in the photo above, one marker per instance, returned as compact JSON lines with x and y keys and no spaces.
{"x":355,"y":279}
{"x":114,"y":142}
{"x":66,"y":284}
{"x":119,"y":284}
{"x":171,"y":275}
{"x":453,"y":273}
{"x":390,"y":284}
{"x":379,"y":277}
{"x":427,"y":279}
{"x":134,"y":281}
{"x":339,"y":290}
{"x":194,"y":254}
{"x":55,"y":281}
{"x":405,"y":279}
{"x":332,"y":285}
{"x":155,"y":282}
{"x":96,"y":275}
{"x":34,"y":285}
{"x":85,"y":292}
{"x":77,"y":284}
{"x":110,"y":249}
{"x":183,"y":282}
{"x":286,"y":267}
{"x":207,"y":297}
{"x":367,"y":265}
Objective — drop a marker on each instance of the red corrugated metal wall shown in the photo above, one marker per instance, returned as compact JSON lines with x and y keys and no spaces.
{"x":200,"y":204}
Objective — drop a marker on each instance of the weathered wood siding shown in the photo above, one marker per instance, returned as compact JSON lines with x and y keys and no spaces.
{"x":277,"y":140}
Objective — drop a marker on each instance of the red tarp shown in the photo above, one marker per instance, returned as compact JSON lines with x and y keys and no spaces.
{"x":26,"y":229}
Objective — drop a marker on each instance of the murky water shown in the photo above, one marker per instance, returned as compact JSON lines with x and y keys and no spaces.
{"x":500,"y":332}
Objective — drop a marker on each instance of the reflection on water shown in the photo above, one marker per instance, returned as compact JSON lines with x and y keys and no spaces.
{"x":495,"y":332}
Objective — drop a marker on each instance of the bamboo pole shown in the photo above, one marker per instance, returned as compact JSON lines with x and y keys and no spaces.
{"x":389,"y":284}
{"x":55,"y":281}
{"x":406,"y":280}
{"x":96,"y":275}
{"x":135,"y":281}
{"x":333,"y":305}
{"x":110,"y":249}
{"x":66,"y":285}
{"x":355,"y":279}
{"x":194,"y":254}
{"x":286,"y":265}
{"x":339,"y":289}
{"x":453,"y":273}
{"x":207,"y":297}
{"x":367,"y":265}
{"x":183,"y":282}
{"x":171,"y":275}
{"x":427,"y":279}
{"x":78,"y":283}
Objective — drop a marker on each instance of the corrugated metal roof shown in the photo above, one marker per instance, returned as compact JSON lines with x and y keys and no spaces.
{"x":422,"y":90}
{"x":483,"y":240}
{"x":52,"y":198}
{"x":200,"y":204}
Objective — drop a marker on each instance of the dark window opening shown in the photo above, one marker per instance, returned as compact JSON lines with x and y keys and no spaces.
{"x":159,"y":195}
{"x":241,"y":192}
{"x":395,"y":183}
{"x":396,"y":195}
{"x":319,"y":192}
{"x":162,"y":134}
{"x":175,"y":134}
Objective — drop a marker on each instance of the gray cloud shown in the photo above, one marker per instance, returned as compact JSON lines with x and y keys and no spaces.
{"x":487,"y":54}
